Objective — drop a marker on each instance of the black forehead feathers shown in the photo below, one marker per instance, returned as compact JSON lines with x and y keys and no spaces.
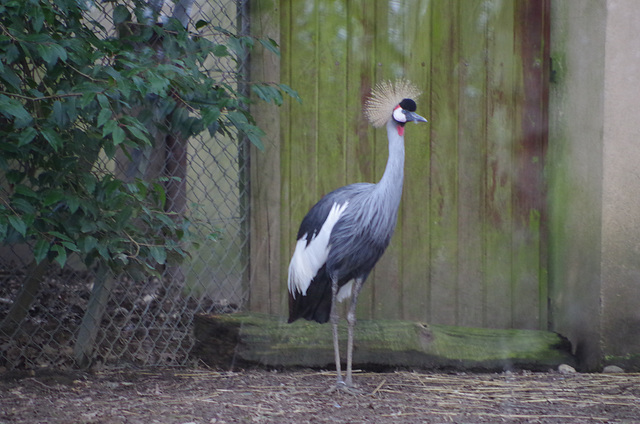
{"x":408,"y":104}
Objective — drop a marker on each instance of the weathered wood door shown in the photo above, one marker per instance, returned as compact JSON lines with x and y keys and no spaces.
{"x":470,"y":244}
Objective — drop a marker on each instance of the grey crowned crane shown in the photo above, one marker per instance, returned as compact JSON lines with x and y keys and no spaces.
{"x":347,"y":231}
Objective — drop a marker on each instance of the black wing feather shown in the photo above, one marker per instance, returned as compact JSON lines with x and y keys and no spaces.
{"x":316,"y":304}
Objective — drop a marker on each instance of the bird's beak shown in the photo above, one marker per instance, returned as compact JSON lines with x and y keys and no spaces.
{"x":412,"y":116}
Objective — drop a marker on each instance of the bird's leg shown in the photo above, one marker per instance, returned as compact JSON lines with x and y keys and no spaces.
{"x":351,"y":321}
{"x":334,"y":327}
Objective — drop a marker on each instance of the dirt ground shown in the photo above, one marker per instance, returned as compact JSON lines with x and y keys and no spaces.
{"x":257,"y":396}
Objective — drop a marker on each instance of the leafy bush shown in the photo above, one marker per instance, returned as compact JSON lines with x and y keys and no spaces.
{"x":69,"y":97}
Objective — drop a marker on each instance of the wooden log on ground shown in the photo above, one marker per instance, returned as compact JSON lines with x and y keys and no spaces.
{"x":241,"y":340}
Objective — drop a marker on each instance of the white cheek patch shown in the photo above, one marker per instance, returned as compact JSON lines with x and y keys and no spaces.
{"x":309,"y":258}
{"x":398,"y":115}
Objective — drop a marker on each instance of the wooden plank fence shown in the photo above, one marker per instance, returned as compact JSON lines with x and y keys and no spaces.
{"x":470,"y":246}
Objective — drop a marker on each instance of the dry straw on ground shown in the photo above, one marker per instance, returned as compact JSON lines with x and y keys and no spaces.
{"x":201,"y":396}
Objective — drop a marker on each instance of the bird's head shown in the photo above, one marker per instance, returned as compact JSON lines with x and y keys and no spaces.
{"x":406,"y":112}
{"x":393,"y":101}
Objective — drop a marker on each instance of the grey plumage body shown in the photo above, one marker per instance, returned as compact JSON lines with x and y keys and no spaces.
{"x":359,"y":238}
{"x":344,"y":235}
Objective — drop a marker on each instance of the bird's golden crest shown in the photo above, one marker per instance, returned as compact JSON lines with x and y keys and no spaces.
{"x":385,"y":97}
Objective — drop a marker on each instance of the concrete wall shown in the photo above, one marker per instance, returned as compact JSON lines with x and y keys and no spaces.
{"x":621,"y":182}
{"x":594,"y":178}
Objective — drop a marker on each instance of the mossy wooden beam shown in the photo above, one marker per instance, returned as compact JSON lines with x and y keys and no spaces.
{"x":241,"y":340}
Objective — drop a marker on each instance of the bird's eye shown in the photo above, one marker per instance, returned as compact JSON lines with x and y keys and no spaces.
{"x":398,"y":115}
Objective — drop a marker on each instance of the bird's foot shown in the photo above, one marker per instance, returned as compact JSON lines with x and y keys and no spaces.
{"x":341,"y":386}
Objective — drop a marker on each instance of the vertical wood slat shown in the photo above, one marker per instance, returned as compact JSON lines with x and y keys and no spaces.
{"x":529,"y":198}
{"x":331,"y":57}
{"x":301,"y":130}
{"x":415,"y":282}
{"x":286,"y":239}
{"x":264,"y":266}
{"x":462,"y":252}
{"x":471,"y":146}
{"x":303,"y":126}
{"x":544,"y":54}
{"x":331,"y":53}
{"x":360,"y":143}
{"x":384,"y":282}
{"x":498,"y":165}
{"x":443,"y":232}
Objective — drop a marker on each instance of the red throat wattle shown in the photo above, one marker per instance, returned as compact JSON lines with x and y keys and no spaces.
{"x":401,"y":130}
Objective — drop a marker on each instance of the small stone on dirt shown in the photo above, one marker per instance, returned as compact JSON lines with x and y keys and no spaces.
{"x":566,"y":369}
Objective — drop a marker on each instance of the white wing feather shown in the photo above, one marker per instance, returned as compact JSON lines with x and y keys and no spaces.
{"x":308,"y":258}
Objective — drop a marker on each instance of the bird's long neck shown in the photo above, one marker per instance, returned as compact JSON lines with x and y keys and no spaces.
{"x":390,"y":185}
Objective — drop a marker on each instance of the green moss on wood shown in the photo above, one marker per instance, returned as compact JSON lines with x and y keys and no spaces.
{"x":253,"y":339}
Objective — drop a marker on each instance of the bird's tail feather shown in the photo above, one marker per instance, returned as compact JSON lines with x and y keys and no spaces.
{"x":316,"y":304}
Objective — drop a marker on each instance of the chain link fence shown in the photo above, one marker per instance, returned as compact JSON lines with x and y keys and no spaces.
{"x":147,"y":322}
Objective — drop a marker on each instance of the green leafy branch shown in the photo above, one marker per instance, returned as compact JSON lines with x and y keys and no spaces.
{"x":69,"y":98}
